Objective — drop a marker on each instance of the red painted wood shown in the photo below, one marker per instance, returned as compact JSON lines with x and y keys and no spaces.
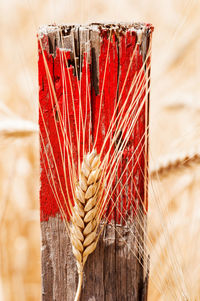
{"x":57,"y":133}
{"x":108,"y":93}
{"x":69,"y":90}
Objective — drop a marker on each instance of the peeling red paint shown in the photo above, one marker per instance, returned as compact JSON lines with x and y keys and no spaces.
{"x":66,"y":86}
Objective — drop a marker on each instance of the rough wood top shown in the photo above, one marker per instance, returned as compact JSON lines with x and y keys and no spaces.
{"x":118,"y":27}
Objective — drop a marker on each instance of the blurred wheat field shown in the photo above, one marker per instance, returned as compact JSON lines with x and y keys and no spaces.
{"x":174,"y":214}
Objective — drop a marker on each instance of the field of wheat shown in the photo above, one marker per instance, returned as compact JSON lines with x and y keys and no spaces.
{"x":174,"y":214}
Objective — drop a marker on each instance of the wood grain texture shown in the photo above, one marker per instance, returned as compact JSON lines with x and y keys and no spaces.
{"x":118,"y":269}
{"x":112,"y":272}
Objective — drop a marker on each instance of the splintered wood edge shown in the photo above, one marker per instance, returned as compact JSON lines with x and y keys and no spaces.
{"x":132,"y":26}
{"x":141,"y":29}
{"x":89,"y":39}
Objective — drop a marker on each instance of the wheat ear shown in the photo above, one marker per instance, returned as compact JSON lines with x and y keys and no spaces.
{"x":84,"y":217}
{"x":176,"y":163}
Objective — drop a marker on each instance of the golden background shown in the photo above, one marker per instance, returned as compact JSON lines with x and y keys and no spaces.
{"x":174,"y":214}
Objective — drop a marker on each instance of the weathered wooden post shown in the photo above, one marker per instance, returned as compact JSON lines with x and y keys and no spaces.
{"x":94,"y":92}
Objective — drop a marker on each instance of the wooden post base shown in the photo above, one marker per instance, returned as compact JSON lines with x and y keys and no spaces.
{"x":111,"y":273}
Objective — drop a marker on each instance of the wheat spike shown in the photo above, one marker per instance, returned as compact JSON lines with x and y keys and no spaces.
{"x":84,"y":217}
{"x":176,"y":163}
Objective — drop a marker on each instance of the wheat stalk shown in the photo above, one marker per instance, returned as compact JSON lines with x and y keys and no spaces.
{"x":17,"y":128}
{"x":174,"y":164}
{"x":84,"y":217}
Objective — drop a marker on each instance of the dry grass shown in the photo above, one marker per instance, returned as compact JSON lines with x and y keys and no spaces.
{"x":174,"y":215}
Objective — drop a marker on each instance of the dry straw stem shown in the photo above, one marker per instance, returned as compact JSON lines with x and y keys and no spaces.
{"x":175,"y":164}
{"x":85,"y":222}
{"x":17,"y":128}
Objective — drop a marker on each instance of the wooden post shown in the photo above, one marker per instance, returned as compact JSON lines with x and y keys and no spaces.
{"x":118,"y":268}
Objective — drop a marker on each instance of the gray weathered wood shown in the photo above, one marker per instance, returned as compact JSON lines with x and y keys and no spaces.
{"x":111,"y":273}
